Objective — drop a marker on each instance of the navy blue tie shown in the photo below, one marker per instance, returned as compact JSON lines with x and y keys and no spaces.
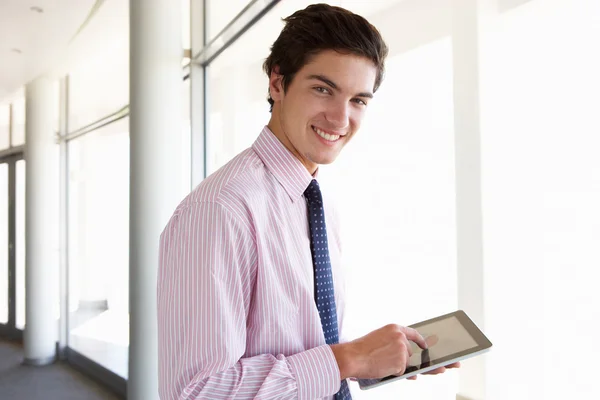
{"x":324,"y":294}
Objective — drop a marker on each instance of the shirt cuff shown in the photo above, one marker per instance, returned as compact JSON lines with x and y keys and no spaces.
{"x":316,"y":371}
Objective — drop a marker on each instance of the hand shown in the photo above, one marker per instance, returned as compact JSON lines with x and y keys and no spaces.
{"x":381,"y":353}
{"x":437,"y":371}
{"x":432,"y":341}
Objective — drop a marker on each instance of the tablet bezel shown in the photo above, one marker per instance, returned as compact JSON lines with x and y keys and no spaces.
{"x":483,"y":345}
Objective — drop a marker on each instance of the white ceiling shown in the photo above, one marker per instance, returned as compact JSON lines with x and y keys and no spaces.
{"x":33,"y":42}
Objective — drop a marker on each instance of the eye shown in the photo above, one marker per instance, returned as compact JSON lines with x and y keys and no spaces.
{"x":360,"y":101}
{"x":322,"y":89}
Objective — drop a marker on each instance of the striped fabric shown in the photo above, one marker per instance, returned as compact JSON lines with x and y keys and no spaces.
{"x":236,"y":309}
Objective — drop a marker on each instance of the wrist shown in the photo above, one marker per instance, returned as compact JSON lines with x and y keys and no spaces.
{"x":346,"y":359}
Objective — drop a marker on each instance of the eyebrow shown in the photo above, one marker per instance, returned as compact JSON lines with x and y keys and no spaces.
{"x":330,"y":83}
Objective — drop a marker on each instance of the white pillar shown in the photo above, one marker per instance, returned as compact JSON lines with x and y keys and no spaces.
{"x":41,"y":219}
{"x":469,"y":19}
{"x":155,"y":126}
{"x":467,"y":38}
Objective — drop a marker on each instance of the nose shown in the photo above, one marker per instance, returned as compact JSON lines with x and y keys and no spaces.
{"x":338,"y":114}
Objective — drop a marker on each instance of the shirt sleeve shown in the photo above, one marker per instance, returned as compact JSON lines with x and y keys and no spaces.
{"x":207,"y":264}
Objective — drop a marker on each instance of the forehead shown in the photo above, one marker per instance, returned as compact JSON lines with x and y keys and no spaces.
{"x":349,"y":71}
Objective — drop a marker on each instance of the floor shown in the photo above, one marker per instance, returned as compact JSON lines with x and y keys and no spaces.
{"x":58,"y":381}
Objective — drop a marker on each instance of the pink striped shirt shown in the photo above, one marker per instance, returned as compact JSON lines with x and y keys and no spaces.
{"x":236,"y":309}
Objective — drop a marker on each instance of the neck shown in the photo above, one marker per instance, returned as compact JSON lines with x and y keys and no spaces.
{"x":276,"y":127}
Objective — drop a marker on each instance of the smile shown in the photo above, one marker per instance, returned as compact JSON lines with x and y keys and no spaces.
{"x":324,"y":135}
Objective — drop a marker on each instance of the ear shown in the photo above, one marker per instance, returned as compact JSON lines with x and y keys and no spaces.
{"x":276,"y":84}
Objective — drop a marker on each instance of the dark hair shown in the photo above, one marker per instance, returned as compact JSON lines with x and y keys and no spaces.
{"x":323,"y":27}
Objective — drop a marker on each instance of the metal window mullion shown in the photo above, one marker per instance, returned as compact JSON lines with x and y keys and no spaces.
{"x":123,"y":112}
{"x":232,"y":31}
{"x":12,"y":151}
{"x":63,"y":341}
{"x":205,"y":23}
{"x":197,"y":94}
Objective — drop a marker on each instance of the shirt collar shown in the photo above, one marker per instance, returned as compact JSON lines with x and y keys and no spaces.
{"x":285,"y":167}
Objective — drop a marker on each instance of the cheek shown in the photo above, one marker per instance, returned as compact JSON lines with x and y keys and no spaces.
{"x":312,"y":107}
{"x":303,"y":110}
{"x":356,"y":119}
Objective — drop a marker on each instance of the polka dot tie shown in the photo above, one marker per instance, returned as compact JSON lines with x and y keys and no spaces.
{"x":324,"y":294}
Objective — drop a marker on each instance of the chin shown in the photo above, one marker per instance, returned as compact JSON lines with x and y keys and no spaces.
{"x":322,"y":158}
{"x":325,"y":160}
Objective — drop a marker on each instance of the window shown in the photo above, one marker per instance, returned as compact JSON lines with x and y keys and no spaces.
{"x":4,"y":126}
{"x":18,"y":130}
{"x":98,"y":197}
{"x":99,"y":245}
{"x":20,"y":244}
{"x":237,"y":108}
{"x":4,"y":198}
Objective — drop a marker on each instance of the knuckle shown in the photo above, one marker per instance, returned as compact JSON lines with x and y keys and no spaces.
{"x":399,"y":337}
{"x":401,"y":347}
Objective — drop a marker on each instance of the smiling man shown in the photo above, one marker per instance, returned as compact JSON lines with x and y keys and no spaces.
{"x":250,"y":293}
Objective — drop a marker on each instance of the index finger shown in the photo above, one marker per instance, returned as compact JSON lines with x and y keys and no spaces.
{"x":413,"y":335}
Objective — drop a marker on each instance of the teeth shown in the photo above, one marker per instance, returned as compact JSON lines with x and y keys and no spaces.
{"x":326,"y":136}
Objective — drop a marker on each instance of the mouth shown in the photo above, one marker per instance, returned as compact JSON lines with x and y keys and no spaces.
{"x":326,"y":136}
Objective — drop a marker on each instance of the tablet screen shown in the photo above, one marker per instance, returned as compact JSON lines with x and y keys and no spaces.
{"x":444,"y":337}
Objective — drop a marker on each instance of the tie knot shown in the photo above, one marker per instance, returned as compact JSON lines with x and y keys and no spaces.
{"x":313,"y":193}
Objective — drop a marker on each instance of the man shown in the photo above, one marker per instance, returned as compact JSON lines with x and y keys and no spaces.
{"x":250,"y":300}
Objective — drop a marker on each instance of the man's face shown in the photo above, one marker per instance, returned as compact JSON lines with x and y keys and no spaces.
{"x":323,"y":106}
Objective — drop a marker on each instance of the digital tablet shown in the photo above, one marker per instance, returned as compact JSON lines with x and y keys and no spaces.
{"x":451,"y":338}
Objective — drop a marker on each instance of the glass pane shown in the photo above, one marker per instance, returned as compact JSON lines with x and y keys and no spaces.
{"x":4,"y":126}
{"x":234,"y":121}
{"x":220,"y":13}
{"x":18,"y":134}
{"x":186,"y":152}
{"x":185,"y":21}
{"x":99,"y":245}
{"x":4,"y":243}
{"x":20,"y":244}
{"x":98,"y":88}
